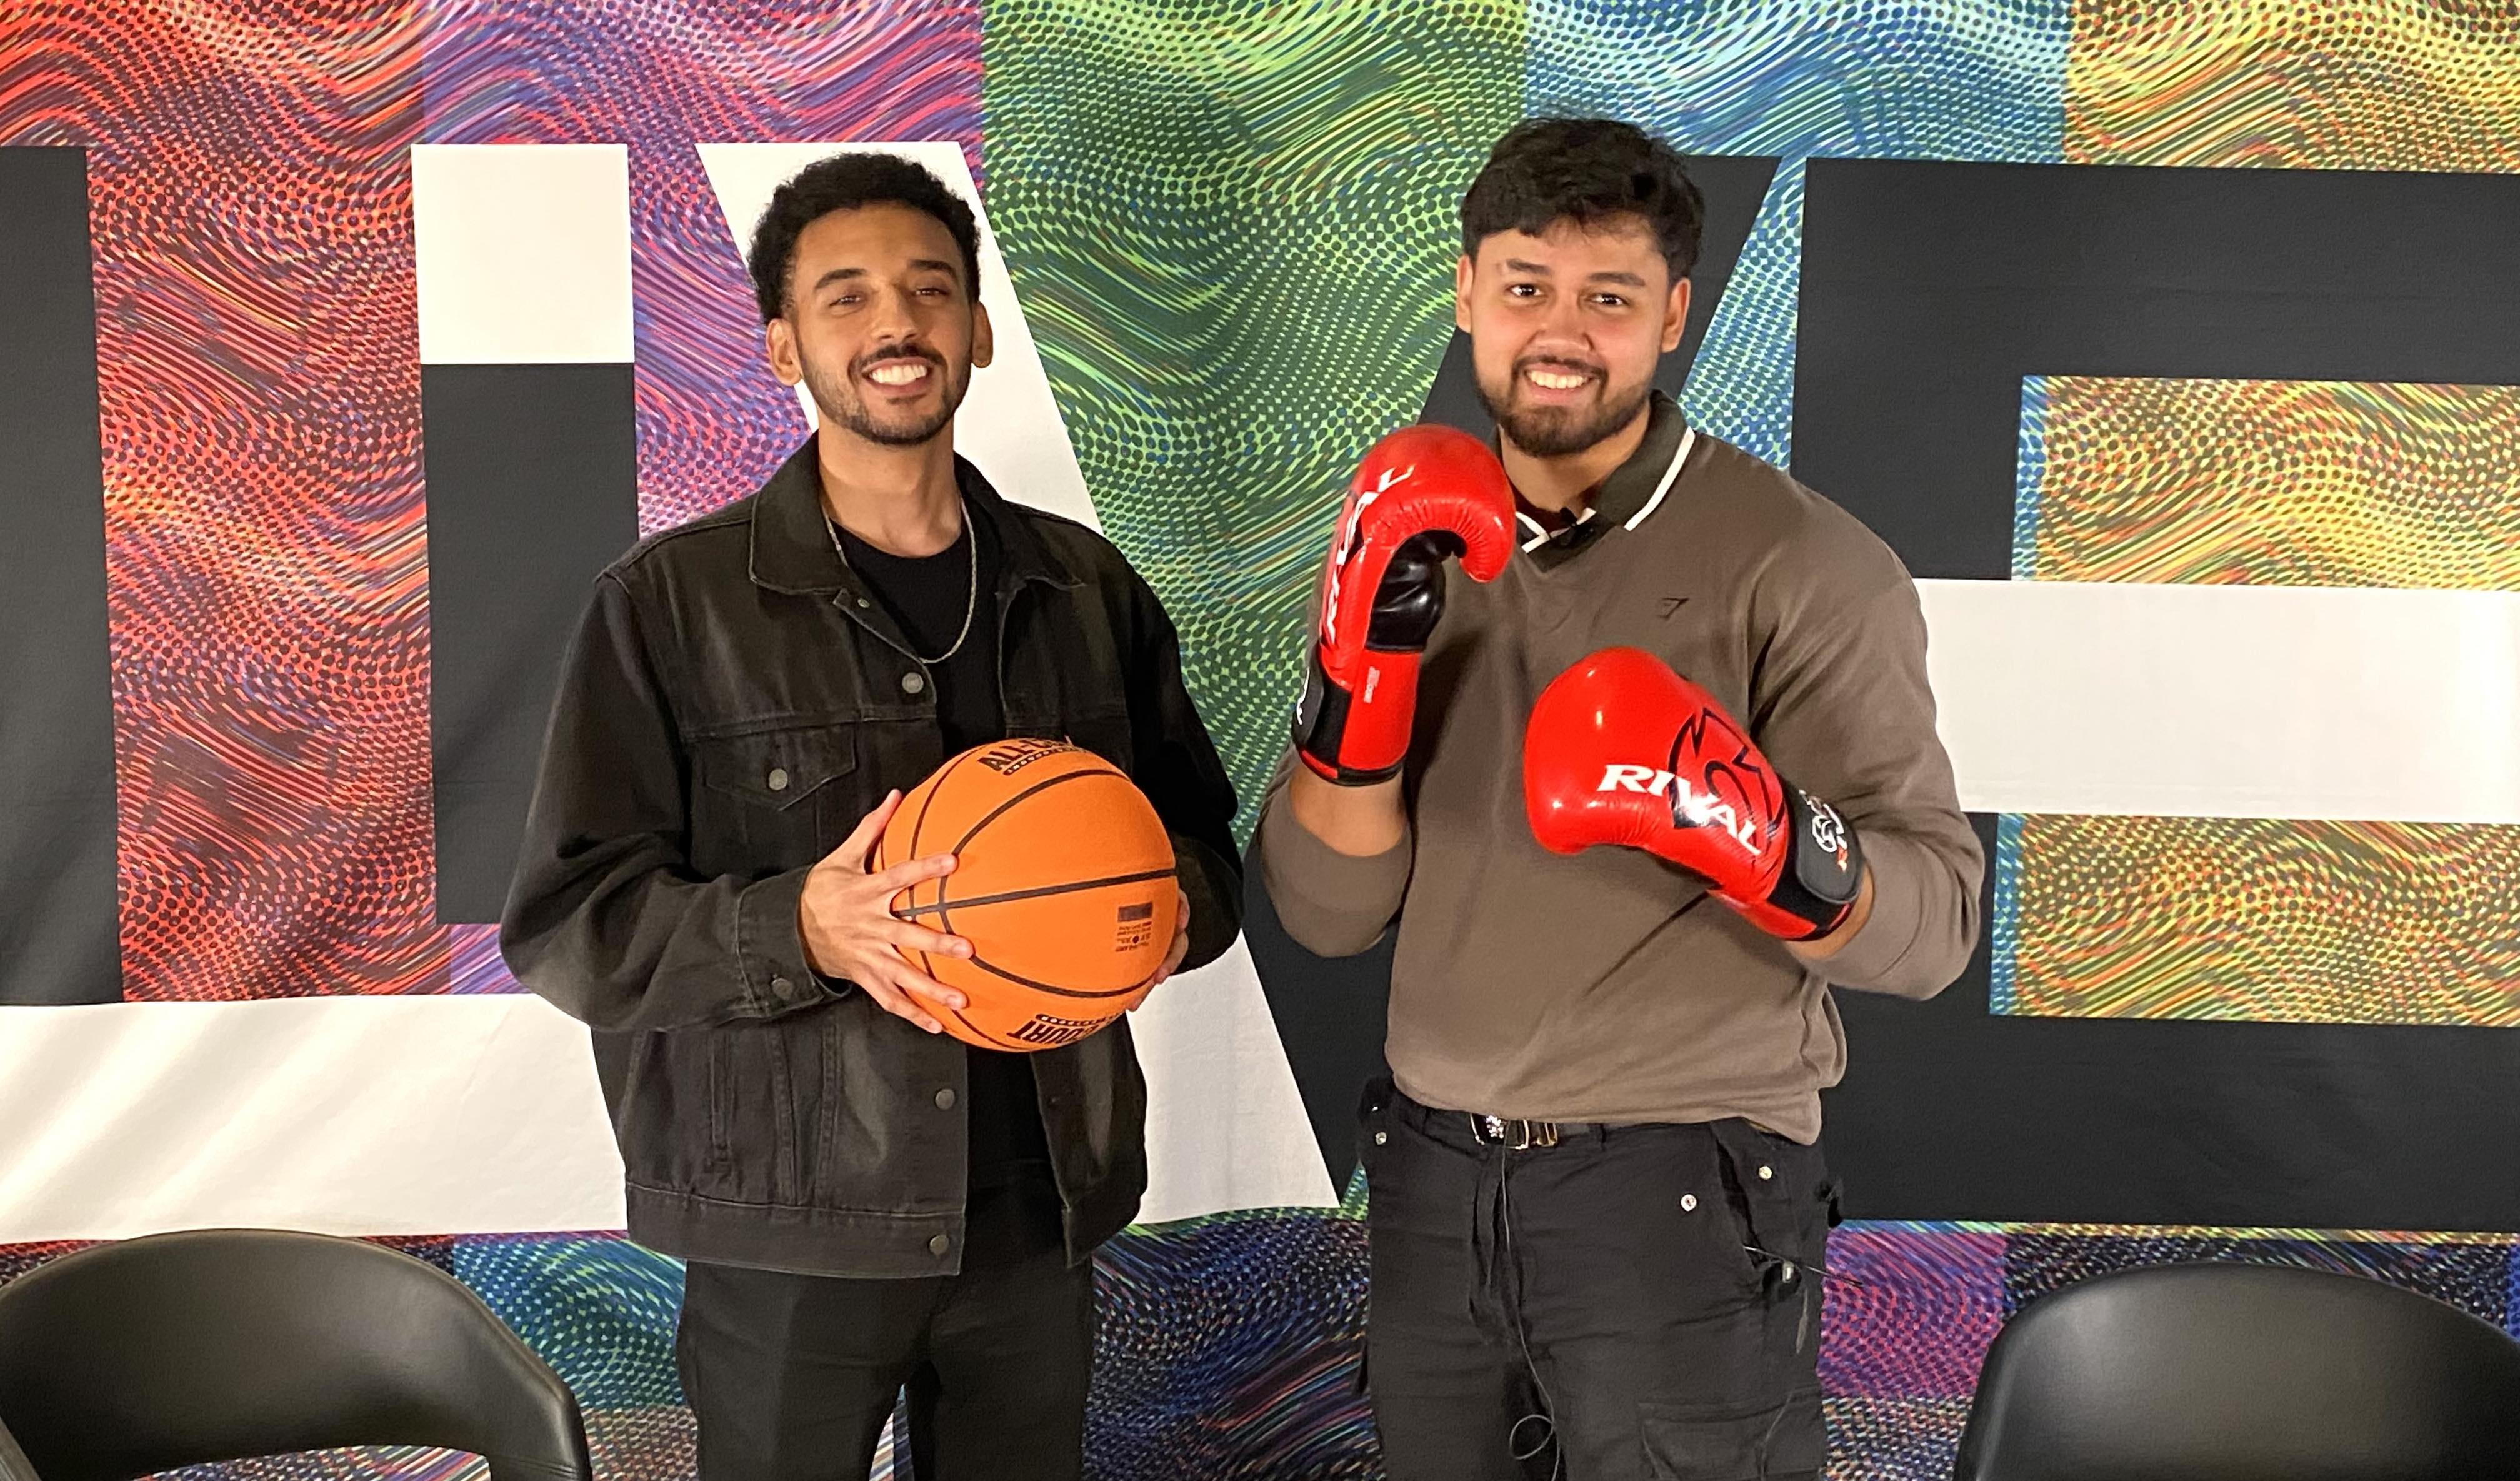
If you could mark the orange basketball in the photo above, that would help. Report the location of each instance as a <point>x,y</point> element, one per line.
<point>1063,888</point>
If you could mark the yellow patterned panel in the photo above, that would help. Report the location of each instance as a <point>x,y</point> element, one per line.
<point>2321,85</point>
<point>2265,919</point>
<point>2271,482</point>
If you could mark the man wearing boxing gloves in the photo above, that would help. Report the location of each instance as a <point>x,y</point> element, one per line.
<point>1598,1204</point>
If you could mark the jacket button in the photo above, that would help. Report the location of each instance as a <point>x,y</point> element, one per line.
<point>863,602</point>
<point>1766,1174</point>
<point>945,1099</point>
<point>913,683</point>
<point>1689,1203</point>
<point>777,779</point>
<point>782,986</point>
<point>938,1245</point>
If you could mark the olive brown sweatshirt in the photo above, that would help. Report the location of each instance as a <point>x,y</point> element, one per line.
<point>1608,986</point>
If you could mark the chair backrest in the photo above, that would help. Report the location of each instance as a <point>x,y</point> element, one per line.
<point>14,1465</point>
<point>2240,1372</point>
<point>174,1350</point>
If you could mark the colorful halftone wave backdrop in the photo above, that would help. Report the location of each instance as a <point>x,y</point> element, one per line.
<point>2304,84</point>
<point>2263,483</point>
<point>2269,483</point>
<point>258,364</point>
<point>1232,226</point>
<point>1917,79</point>
<point>2267,919</point>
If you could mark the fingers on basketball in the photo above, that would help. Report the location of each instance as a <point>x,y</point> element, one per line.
<point>1063,886</point>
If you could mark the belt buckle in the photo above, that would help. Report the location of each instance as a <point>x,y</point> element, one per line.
<point>1526,1133</point>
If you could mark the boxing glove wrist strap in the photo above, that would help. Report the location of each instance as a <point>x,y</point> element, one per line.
<point>1353,740</point>
<point>1823,872</point>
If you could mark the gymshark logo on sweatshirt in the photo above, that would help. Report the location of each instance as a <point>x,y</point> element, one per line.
<point>1699,809</point>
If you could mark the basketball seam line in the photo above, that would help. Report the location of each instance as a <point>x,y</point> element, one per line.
<point>995,1039</point>
<point>1037,788</point>
<point>977,901</point>
<point>919,825</point>
<point>1019,980</point>
<point>944,907</point>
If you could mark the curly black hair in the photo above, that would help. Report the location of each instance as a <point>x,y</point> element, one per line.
<point>845,182</point>
<point>1589,171</point>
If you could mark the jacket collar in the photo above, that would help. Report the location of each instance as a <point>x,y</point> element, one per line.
<point>1631,492</point>
<point>791,546</point>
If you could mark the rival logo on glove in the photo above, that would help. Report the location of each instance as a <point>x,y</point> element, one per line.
<point>1788,862</point>
<point>1701,809</point>
<point>1346,546</point>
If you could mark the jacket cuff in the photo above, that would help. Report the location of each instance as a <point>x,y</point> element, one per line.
<point>1333,904</point>
<point>1874,959</point>
<point>770,947</point>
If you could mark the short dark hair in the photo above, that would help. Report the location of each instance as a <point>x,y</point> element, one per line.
<point>1589,171</point>
<point>845,182</point>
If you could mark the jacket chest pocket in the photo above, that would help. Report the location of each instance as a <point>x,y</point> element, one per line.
<point>773,799</point>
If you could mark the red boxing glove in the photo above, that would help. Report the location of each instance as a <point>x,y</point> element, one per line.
<point>1423,494</point>
<point>1620,749</point>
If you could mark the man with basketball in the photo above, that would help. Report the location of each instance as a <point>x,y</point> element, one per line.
<point>1596,1201</point>
<point>864,1203</point>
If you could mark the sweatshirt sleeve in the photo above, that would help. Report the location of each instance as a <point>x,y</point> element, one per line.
<point>1843,708</point>
<point>1333,904</point>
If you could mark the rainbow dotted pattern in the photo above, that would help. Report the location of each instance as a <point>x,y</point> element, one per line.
<point>2264,483</point>
<point>2269,483</point>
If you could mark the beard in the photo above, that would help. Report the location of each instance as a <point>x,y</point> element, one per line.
<point>836,396</point>
<point>1555,431</point>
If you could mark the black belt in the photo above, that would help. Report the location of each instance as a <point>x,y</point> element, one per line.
<point>1520,1135</point>
<point>1514,1134</point>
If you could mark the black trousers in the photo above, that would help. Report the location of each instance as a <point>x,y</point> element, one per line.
<point>791,1378</point>
<point>1635,1303</point>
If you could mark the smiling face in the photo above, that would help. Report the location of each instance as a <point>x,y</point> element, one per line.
<point>879,324</point>
<point>1566,329</point>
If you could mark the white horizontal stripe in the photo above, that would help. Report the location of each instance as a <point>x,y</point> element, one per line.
<point>523,253</point>
<point>437,1116</point>
<point>348,1115</point>
<point>2230,702</point>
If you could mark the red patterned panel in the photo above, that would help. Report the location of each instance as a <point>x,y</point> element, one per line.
<point>258,363</point>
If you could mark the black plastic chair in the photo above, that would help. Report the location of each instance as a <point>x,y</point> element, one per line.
<point>2243,1373</point>
<point>218,1344</point>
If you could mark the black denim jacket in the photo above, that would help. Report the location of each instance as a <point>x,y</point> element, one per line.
<point>733,704</point>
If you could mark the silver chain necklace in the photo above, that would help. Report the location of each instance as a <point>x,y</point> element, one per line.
<point>970,603</point>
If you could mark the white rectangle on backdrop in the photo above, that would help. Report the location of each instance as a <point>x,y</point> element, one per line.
<point>454,1115</point>
<point>523,253</point>
<point>2230,702</point>
<point>354,1115</point>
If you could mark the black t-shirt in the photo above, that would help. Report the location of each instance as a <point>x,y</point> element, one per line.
<point>929,596</point>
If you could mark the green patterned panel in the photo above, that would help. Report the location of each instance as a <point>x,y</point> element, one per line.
<point>1232,227</point>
